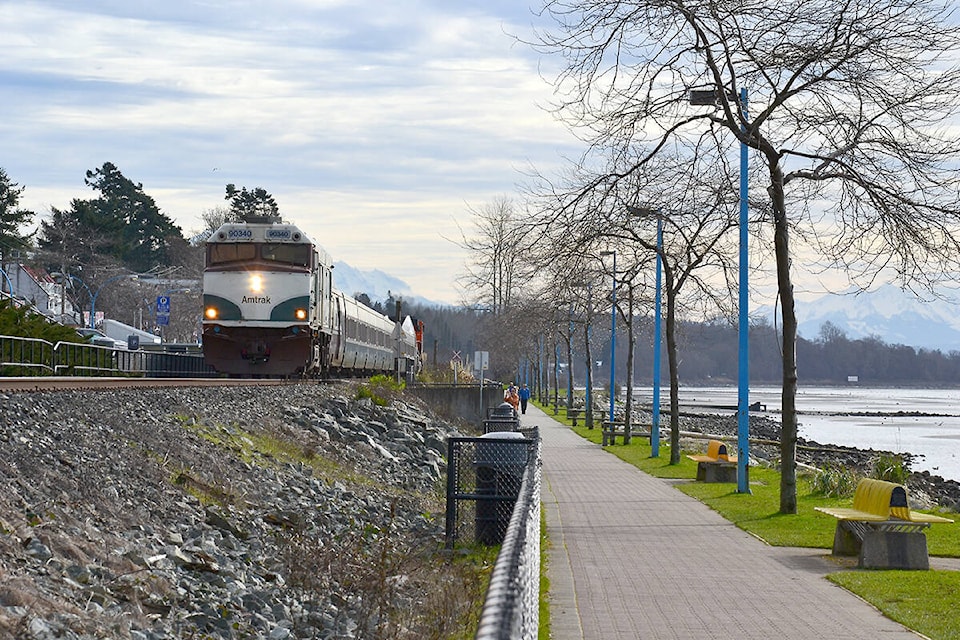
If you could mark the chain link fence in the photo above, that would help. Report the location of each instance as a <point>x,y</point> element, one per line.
<point>493,497</point>
<point>483,482</point>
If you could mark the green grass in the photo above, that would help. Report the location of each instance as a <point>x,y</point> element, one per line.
<point>925,601</point>
<point>921,600</point>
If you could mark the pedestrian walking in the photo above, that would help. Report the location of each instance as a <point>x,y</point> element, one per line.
<point>524,397</point>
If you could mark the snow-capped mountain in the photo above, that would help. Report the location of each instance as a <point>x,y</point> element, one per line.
<point>889,313</point>
<point>376,284</point>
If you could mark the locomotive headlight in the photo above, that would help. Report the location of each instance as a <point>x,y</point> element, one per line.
<point>256,283</point>
<point>300,314</point>
<point>211,313</point>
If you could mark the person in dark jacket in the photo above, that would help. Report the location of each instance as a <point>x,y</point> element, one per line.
<point>524,396</point>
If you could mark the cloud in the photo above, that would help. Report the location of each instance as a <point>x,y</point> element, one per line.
<point>359,118</point>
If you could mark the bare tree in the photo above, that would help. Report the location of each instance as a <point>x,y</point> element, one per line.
<point>496,255</point>
<point>693,196</point>
<point>849,104</point>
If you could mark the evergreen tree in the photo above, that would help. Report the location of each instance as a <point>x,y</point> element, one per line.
<point>142,243</point>
<point>12,218</point>
<point>252,206</point>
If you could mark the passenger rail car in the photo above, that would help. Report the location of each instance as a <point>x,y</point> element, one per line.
<point>270,309</point>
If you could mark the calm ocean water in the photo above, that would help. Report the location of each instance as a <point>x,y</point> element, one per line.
<point>824,417</point>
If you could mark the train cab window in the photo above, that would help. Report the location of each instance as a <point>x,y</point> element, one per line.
<point>295,254</point>
<point>222,253</point>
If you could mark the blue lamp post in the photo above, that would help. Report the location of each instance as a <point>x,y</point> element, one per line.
<point>89,293</point>
<point>613,332</point>
<point>570,360</point>
<point>743,326</point>
<point>657,311</point>
<point>96,294</point>
<point>710,97</point>
<point>6,279</point>
<point>655,419</point>
<point>588,415</point>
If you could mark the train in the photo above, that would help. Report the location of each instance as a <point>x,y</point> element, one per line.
<point>270,309</point>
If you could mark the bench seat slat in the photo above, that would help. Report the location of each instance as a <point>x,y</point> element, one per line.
<point>702,458</point>
<point>916,516</point>
<point>851,514</point>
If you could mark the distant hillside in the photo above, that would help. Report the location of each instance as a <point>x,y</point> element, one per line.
<point>888,313</point>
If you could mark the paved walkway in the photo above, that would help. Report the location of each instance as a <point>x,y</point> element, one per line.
<point>632,557</point>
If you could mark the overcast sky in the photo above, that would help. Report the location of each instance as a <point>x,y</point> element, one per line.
<point>375,125</point>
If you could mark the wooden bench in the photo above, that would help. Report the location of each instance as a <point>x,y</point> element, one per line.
<point>717,465</point>
<point>613,429</point>
<point>881,529</point>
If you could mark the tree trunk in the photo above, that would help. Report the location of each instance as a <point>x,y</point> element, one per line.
<point>788,398</point>
<point>673,364</point>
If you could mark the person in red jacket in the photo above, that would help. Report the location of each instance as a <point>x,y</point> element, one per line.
<point>512,396</point>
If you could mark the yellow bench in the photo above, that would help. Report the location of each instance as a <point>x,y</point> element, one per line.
<point>881,529</point>
<point>717,465</point>
<point>716,452</point>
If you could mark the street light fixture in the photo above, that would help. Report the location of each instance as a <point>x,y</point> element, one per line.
<point>613,331</point>
<point>711,97</point>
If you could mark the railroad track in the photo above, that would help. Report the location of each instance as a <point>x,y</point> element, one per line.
<point>63,383</point>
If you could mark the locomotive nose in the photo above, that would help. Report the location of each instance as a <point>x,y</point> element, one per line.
<point>256,351</point>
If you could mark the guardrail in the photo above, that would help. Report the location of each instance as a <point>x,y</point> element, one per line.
<point>35,357</point>
<point>25,356</point>
<point>511,609</point>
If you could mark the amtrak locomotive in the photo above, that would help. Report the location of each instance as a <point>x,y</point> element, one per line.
<point>270,309</point>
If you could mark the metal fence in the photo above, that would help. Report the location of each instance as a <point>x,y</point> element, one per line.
<point>25,357</point>
<point>34,357</point>
<point>493,497</point>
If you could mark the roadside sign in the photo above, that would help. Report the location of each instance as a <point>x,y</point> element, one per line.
<point>163,305</point>
<point>481,360</point>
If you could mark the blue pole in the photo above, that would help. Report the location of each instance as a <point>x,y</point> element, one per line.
<point>9,283</point>
<point>589,399</point>
<point>743,368</point>
<point>570,361</point>
<point>93,301</point>
<point>556,376</point>
<point>655,421</point>
<point>613,337</point>
<point>540,368</point>
<point>89,293</point>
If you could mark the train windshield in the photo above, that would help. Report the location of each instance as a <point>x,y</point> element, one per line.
<point>295,254</point>
<point>233,252</point>
<point>288,254</point>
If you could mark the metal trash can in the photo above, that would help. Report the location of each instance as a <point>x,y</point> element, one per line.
<point>501,459</point>
<point>503,417</point>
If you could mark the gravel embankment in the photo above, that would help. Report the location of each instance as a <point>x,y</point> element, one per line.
<point>273,512</point>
